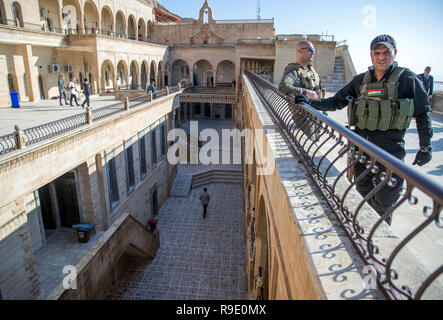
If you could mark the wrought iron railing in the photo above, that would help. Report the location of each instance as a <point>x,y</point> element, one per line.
<point>438,86</point>
<point>328,150</point>
<point>46,131</point>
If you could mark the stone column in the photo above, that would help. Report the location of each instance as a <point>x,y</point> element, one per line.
<point>212,111</point>
<point>31,75</point>
<point>60,15</point>
<point>89,175</point>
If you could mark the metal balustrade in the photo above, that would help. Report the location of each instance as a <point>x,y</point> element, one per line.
<point>46,131</point>
<point>438,86</point>
<point>328,150</point>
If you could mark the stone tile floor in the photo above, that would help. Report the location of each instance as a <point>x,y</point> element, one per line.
<point>60,250</point>
<point>198,259</point>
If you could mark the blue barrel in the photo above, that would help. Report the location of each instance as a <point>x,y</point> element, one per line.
<point>14,100</point>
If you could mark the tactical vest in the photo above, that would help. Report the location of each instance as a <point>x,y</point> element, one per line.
<point>310,79</point>
<point>378,106</point>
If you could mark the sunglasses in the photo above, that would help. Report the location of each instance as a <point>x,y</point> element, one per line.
<point>309,48</point>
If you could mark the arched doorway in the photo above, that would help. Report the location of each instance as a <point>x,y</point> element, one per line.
<point>225,73</point>
<point>107,26</point>
<point>2,13</point>
<point>141,30</point>
<point>152,73</point>
<point>17,14</point>
<point>160,74</point>
<point>133,75</point>
<point>203,74</point>
<point>107,75</point>
<point>73,25</point>
<point>179,72</point>
<point>122,74</point>
<point>131,28</point>
<point>144,75</point>
<point>149,30</point>
<point>91,19</point>
<point>120,25</point>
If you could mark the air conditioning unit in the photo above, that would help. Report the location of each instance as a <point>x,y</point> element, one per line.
<point>69,68</point>
<point>44,12</point>
<point>54,68</point>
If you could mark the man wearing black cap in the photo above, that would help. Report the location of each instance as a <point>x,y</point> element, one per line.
<point>382,102</point>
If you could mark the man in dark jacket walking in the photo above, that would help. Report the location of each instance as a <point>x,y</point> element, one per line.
<point>61,90</point>
<point>204,199</point>
<point>86,91</point>
<point>428,81</point>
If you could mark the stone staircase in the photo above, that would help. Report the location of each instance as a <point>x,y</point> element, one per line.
<point>231,176</point>
<point>337,80</point>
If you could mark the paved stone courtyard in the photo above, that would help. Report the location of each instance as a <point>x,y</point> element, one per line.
<point>198,258</point>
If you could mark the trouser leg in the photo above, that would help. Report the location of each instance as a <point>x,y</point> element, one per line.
<point>385,198</point>
<point>205,206</point>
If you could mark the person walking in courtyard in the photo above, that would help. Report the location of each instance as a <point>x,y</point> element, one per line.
<point>61,90</point>
<point>86,91</point>
<point>204,199</point>
<point>428,81</point>
<point>73,91</point>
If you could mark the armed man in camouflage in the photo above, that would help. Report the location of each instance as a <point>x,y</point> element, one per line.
<point>300,78</point>
<point>381,103</point>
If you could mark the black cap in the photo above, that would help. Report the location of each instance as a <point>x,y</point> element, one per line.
<point>385,40</point>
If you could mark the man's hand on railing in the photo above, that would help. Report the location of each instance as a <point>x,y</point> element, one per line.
<point>423,157</point>
<point>301,98</point>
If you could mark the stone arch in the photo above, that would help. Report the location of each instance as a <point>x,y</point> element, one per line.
<point>17,14</point>
<point>261,248</point>
<point>132,31</point>
<point>107,21</point>
<point>160,74</point>
<point>134,75</point>
<point>78,27</point>
<point>91,17</point>
<point>141,29</point>
<point>225,72</point>
<point>2,13</point>
<point>122,77</point>
<point>202,71</point>
<point>120,24</point>
<point>144,74</point>
<point>107,75</point>
<point>179,72</point>
<point>149,30</point>
<point>166,74</point>
<point>152,72</point>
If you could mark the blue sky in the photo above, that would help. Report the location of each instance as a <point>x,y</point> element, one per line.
<point>416,25</point>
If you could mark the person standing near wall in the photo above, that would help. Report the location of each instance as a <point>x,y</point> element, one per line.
<point>428,81</point>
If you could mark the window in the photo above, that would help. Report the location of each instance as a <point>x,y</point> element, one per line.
<point>112,182</point>
<point>129,155</point>
<point>162,140</point>
<point>142,150</point>
<point>153,147</point>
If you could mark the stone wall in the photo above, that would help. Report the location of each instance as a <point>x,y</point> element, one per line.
<point>343,52</point>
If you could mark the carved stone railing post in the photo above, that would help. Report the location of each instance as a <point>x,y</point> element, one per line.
<point>167,90</point>
<point>19,137</point>
<point>88,115</point>
<point>126,103</point>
